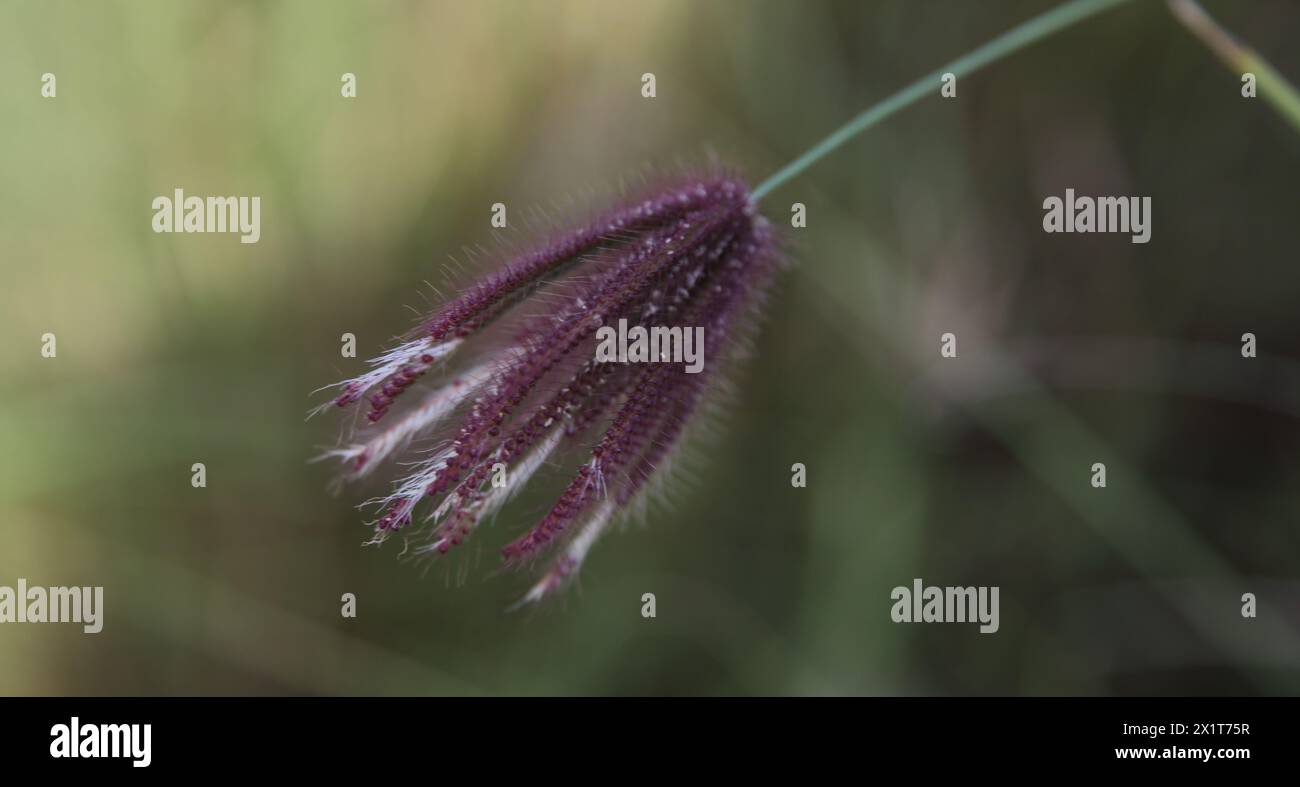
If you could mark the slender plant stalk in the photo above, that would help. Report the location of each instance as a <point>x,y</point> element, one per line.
<point>1240,58</point>
<point>1009,42</point>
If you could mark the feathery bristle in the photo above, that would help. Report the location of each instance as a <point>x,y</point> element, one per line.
<point>694,259</point>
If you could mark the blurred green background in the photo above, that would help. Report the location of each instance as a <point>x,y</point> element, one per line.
<point>175,349</point>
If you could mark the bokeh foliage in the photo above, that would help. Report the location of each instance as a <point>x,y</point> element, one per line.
<point>175,348</point>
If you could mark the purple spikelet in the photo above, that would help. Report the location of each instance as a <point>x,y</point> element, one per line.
<point>695,255</point>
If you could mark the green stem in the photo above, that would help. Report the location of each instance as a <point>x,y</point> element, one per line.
<point>1011,41</point>
<point>1240,58</point>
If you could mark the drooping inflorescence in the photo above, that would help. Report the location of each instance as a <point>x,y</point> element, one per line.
<point>695,258</point>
